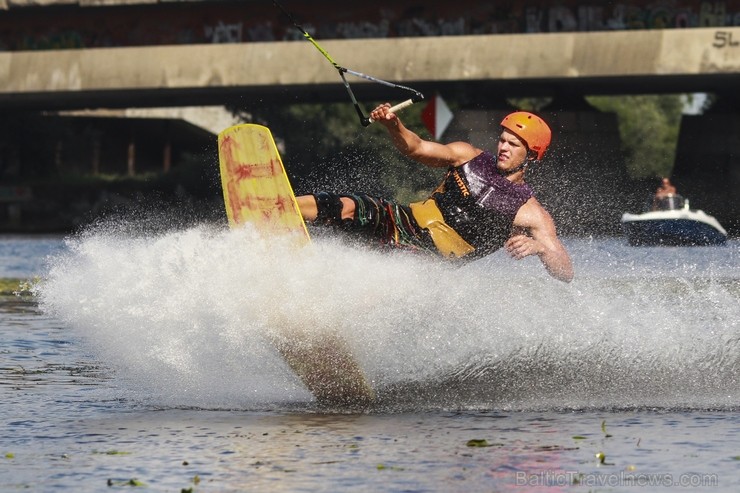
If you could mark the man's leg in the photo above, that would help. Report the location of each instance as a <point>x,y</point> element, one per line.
<point>372,219</point>
<point>326,206</point>
<point>308,207</point>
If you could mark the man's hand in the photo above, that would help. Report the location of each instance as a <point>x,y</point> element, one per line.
<point>383,116</point>
<point>520,246</point>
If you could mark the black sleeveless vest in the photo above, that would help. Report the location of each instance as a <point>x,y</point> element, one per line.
<point>480,204</point>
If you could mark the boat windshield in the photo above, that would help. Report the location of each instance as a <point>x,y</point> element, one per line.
<point>669,202</point>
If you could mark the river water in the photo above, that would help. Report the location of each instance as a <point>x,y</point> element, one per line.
<point>143,360</point>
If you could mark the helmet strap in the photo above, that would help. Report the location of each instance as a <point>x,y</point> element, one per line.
<point>522,166</point>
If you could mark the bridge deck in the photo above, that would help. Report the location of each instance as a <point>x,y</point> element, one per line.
<point>614,62</point>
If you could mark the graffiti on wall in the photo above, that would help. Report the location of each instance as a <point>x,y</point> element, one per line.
<point>55,41</point>
<point>224,33</point>
<point>724,39</point>
<point>235,22</point>
<point>623,16</point>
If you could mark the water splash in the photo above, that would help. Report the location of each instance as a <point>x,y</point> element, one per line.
<point>186,318</point>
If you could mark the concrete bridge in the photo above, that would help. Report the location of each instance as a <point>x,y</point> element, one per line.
<point>486,68</point>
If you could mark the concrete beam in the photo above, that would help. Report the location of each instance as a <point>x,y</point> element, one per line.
<point>620,62</point>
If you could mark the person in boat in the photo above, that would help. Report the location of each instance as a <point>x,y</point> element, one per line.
<point>483,203</point>
<point>665,189</point>
<point>666,198</point>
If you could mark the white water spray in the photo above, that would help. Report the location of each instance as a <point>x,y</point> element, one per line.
<point>184,318</point>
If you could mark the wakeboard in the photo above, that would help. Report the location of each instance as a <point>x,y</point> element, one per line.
<point>257,191</point>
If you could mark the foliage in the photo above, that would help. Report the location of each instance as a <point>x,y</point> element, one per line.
<point>648,128</point>
<point>529,104</point>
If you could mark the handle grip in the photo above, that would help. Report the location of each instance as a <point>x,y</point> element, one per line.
<point>396,108</point>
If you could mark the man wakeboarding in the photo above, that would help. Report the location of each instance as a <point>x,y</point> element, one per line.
<point>482,205</point>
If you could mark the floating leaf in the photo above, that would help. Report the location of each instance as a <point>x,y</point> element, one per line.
<point>130,482</point>
<point>111,452</point>
<point>546,448</point>
<point>602,459</point>
<point>603,429</point>
<point>579,437</point>
<point>478,442</point>
<point>10,455</point>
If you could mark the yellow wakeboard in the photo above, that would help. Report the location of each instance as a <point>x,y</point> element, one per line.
<point>255,186</point>
<point>257,191</point>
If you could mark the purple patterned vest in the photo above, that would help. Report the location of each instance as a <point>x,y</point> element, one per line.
<point>480,204</point>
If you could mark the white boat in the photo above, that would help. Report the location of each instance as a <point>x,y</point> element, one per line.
<point>673,223</point>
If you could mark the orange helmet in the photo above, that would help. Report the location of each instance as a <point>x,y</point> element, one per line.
<point>531,129</point>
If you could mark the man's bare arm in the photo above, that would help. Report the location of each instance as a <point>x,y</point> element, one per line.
<point>543,242</point>
<point>408,143</point>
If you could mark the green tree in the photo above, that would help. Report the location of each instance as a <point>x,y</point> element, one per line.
<point>648,128</point>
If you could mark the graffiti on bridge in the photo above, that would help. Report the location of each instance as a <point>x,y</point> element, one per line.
<point>723,39</point>
<point>235,22</point>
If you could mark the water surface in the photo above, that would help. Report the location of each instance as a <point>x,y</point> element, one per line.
<point>145,359</point>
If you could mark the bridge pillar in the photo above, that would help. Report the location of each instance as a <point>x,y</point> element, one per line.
<point>707,167</point>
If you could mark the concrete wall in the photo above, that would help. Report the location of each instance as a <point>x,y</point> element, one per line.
<point>588,63</point>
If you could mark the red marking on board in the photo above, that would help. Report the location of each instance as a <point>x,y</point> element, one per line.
<point>255,190</point>
<point>243,171</point>
<point>277,167</point>
<point>265,143</point>
<point>226,150</point>
<point>235,207</point>
<point>247,201</point>
<point>283,204</point>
